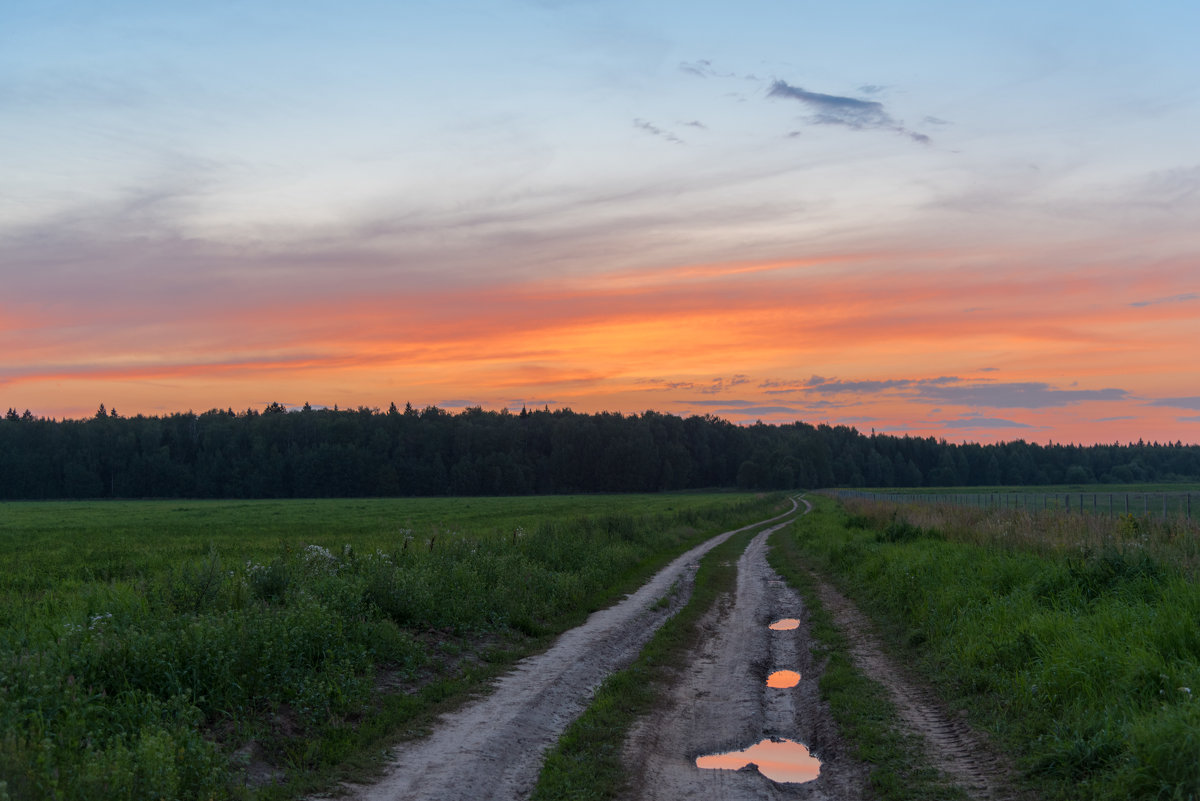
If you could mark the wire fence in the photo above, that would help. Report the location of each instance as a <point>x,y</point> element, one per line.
<point>1111,504</point>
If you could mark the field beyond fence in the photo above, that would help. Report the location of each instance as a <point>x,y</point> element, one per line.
<point>1112,504</point>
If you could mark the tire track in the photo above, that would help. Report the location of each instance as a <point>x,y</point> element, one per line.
<point>720,703</point>
<point>493,748</point>
<point>953,746</point>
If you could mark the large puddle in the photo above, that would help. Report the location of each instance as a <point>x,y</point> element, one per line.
<point>778,760</point>
<point>783,679</point>
<point>786,624</point>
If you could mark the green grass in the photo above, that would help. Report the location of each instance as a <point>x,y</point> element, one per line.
<point>861,706</point>
<point>1181,486</point>
<point>149,650</point>
<point>586,764</point>
<point>1082,659</point>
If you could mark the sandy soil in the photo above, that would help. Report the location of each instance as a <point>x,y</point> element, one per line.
<point>493,748</point>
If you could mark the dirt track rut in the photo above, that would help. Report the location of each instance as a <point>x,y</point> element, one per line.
<point>720,703</point>
<point>493,747</point>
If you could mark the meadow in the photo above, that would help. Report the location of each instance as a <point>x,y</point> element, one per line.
<point>1073,639</point>
<point>255,649</point>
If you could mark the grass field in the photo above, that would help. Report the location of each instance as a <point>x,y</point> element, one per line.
<point>1184,486</point>
<point>1140,500</point>
<point>252,649</point>
<point>1073,639</point>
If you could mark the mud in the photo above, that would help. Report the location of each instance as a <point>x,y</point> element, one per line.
<point>493,748</point>
<point>720,704</point>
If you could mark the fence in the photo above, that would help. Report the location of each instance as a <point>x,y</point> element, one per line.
<point>1143,504</point>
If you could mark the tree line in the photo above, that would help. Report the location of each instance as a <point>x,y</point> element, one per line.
<point>277,453</point>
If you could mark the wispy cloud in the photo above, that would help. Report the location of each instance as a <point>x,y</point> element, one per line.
<point>962,392</point>
<point>835,109</point>
<point>654,130</point>
<point>850,112</point>
<point>1192,402</point>
<point>983,423</point>
<point>1018,395</point>
<point>712,387</point>
<point>1181,298</point>
<point>703,68</point>
<point>732,411</point>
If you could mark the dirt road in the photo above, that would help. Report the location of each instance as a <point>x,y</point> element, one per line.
<point>493,748</point>
<point>721,703</point>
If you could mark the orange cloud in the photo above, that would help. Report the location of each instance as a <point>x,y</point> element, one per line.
<point>638,339</point>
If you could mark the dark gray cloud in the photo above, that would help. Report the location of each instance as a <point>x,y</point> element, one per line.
<point>1192,402</point>
<point>832,386</point>
<point>713,387</point>
<point>1181,298</point>
<point>1189,419</point>
<point>1017,395</point>
<point>718,403</point>
<point>760,410</point>
<point>654,130</point>
<point>965,392</point>
<point>851,112</point>
<point>983,422</point>
<point>835,109</point>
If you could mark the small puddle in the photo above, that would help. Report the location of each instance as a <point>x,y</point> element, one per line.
<point>778,760</point>
<point>786,624</point>
<point>782,679</point>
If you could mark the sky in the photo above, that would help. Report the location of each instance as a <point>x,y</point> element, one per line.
<point>978,222</point>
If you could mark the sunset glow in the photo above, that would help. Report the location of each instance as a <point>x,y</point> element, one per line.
<point>981,228</point>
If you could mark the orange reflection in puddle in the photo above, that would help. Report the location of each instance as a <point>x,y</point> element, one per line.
<point>787,624</point>
<point>778,760</point>
<point>782,679</point>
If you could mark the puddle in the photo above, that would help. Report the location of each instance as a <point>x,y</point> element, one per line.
<point>786,624</point>
<point>778,760</point>
<point>782,679</point>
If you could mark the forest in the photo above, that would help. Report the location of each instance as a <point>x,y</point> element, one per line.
<point>312,453</point>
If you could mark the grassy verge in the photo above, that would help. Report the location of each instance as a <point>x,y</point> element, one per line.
<point>1082,660</point>
<point>585,764</point>
<point>860,706</point>
<point>255,650</point>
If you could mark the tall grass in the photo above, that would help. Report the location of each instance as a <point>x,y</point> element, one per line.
<point>237,667</point>
<point>1077,645</point>
<point>1052,533</point>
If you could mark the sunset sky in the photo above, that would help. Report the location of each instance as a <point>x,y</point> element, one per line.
<point>972,221</point>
